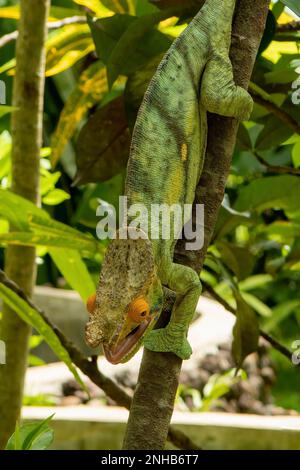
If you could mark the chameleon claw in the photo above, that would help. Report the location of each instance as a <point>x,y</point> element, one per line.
<point>163,340</point>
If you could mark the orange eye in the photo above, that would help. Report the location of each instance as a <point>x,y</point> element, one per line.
<point>91,303</point>
<point>138,310</point>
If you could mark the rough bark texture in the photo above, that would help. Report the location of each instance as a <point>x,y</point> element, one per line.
<point>152,406</point>
<point>27,137</point>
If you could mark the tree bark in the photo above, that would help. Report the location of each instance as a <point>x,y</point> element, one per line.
<point>153,401</point>
<point>27,124</point>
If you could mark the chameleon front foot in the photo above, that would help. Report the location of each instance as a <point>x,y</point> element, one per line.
<point>163,340</point>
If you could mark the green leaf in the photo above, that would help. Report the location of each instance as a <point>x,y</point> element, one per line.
<point>260,307</point>
<point>33,318</point>
<point>37,228</point>
<point>42,237</point>
<point>18,210</point>
<point>91,87</point>
<point>36,432</point>
<point>293,5</point>
<point>238,259</point>
<point>55,197</point>
<point>255,282</point>
<point>102,147</point>
<point>273,134</point>
<point>126,43</point>
<point>67,46</point>
<point>70,264</point>
<point>35,341</point>
<point>31,436</point>
<point>6,110</point>
<point>280,313</point>
<point>95,6</point>
<point>245,330</point>
<point>282,192</point>
<point>243,138</point>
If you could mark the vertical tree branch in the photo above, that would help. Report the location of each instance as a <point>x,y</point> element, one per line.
<point>153,401</point>
<point>27,123</point>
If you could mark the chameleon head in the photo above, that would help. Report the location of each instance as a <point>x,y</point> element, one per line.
<point>128,300</point>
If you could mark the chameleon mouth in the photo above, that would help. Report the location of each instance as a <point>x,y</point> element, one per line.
<point>116,353</point>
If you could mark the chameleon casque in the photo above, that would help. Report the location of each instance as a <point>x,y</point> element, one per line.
<point>165,164</point>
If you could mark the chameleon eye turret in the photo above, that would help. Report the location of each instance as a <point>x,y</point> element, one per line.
<point>139,310</point>
<point>91,303</point>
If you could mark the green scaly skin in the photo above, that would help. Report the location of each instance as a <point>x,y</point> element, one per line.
<point>168,150</point>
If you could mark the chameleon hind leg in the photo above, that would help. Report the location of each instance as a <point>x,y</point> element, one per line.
<point>219,93</point>
<point>173,338</point>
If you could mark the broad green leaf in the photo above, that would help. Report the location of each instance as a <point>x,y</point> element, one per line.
<point>238,259</point>
<point>109,191</point>
<point>280,313</point>
<point>273,134</point>
<point>42,237</point>
<point>126,43</point>
<point>243,141</point>
<point>70,264</point>
<point>34,319</point>
<point>18,210</point>
<point>31,436</point>
<point>293,5</point>
<point>128,55</point>
<point>102,147</point>
<point>245,331</point>
<point>92,85</point>
<point>281,192</point>
<point>255,282</point>
<point>37,227</point>
<point>260,307</point>
<point>56,196</point>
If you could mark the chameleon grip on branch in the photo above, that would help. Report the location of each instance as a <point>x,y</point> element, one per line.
<point>165,164</point>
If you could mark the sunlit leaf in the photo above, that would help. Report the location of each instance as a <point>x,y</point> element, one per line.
<point>74,270</point>
<point>91,87</point>
<point>281,192</point>
<point>293,5</point>
<point>56,196</point>
<point>6,110</point>
<point>245,331</point>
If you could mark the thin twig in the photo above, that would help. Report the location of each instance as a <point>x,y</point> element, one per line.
<point>284,170</point>
<point>7,38</point>
<point>274,342</point>
<point>262,98</point>
<point>288,27</point>
<point>89,367</point>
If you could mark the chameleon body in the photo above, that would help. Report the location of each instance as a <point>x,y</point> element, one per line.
<point>165,164</point>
